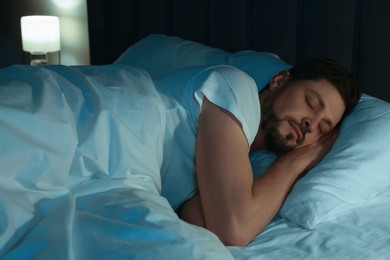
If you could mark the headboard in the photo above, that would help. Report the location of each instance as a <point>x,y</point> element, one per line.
<point>353,32</point>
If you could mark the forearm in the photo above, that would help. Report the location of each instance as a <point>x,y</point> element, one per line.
<point>253,214</point>
<point>270,190</point>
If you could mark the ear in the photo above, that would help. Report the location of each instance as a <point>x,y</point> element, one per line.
<point>279,80</point>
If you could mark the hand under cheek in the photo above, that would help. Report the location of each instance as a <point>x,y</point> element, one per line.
<point>310,139</point>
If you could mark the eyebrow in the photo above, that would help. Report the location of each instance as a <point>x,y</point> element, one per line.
<point>322,105</point>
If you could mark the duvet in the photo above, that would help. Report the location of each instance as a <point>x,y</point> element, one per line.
<point>81,150</point>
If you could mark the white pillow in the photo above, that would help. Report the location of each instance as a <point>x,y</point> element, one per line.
<point>356,169</point>
<point>160,55</point>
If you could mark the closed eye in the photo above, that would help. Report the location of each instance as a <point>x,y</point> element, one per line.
<point>314,100</point>
<point>310,102</point>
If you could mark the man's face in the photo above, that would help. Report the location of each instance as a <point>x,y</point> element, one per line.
<point>300,113</point>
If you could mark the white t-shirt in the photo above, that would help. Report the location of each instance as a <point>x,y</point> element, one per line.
<point>183,92</point>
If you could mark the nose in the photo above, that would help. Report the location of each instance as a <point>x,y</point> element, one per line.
<point>309,124</point>
<point>305,125</point>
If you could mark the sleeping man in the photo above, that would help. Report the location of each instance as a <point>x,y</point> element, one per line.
<point>91,150</point>
<point>300,110</point>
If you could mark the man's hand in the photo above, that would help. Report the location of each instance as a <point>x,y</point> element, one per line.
<point>308,156</point>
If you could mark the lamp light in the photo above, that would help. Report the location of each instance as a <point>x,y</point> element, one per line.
<point>40,35</point>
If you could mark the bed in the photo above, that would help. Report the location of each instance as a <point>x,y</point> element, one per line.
<point>81,152</point>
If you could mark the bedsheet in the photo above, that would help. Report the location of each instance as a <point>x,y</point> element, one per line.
<point>79,179</point>
<point>360,234</point>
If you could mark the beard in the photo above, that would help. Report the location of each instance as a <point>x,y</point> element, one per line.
<point>275,141</point>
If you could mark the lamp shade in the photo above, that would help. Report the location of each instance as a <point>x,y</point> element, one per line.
<point>40,33</point>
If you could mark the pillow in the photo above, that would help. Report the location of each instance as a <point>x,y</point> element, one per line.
<point>261,66</point>
<point>160,54</point>
<point>356,169</point>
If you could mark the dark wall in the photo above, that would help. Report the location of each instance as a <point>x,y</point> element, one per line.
<point>10,42</point>
<point>353,32</point>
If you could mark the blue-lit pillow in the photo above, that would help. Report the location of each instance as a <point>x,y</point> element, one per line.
<point>160,55</point>
<point>356,169</point>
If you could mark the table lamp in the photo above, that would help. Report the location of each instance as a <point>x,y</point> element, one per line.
<point>40,35</point>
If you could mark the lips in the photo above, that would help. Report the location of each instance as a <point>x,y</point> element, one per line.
<point>297,131</point>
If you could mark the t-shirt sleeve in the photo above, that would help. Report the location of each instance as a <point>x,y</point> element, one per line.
<point>230,89</point>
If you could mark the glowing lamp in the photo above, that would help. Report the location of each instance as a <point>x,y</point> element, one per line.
<point>40,35</point>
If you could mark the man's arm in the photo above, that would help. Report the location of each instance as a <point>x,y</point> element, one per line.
<point>233,205</point>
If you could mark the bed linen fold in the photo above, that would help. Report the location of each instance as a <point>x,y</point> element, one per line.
<point>81,152</point>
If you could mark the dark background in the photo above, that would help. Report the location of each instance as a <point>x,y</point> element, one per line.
<point>355,33</point>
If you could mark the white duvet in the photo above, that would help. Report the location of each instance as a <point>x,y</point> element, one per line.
<point>81,150</point>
